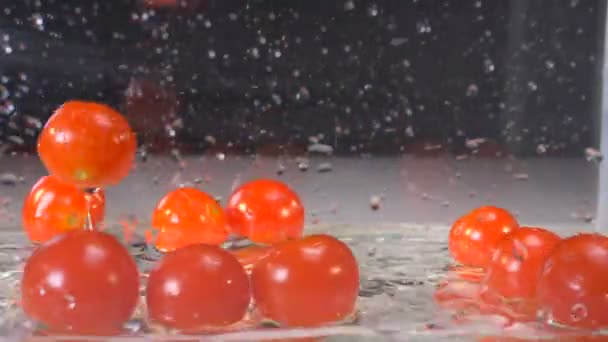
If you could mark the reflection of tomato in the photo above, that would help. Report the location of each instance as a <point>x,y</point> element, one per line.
<point>188,216</point>
<point>97,205</point>
<point>249,256</point>
<point>88,144</point>
<point>265,211</point>
<point>515,268</point>
<point>307,282</point>
<point>573,286</point>
<point>81,282</point>
<point>53,207</point>
<point>474,235</point>
<point>198,286</point>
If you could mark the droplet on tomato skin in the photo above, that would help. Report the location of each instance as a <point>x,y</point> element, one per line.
<point>578,312</point>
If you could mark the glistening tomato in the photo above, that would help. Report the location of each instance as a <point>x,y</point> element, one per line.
<point>198,287</point>
<point>265,211</point>
<point>306,282</point>
<point>574,282</point>
<point>516,266</point>
<point>88,144</point>
<point>474,235</point>
<point>188,216</point>
<point>53,207</point>
<point>81,282</point>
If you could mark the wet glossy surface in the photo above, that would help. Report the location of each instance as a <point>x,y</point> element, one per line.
<point>88,144</point>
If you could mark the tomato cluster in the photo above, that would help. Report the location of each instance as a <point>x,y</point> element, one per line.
<point>81,280</point>
<point>527,273</point>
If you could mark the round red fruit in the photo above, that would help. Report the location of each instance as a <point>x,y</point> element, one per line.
<point>306,282</point>
<point>81,282</point>
<point>87,144</point>
<point>188,216</point>
<point>515,269</point>
<point>53,207</point>
<point>474,235</point>
<point>573,286</point>
<point>198,287</point>
<point>265,211</point>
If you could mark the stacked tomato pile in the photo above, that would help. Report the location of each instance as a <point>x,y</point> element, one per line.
<point>80,280</point>
<point>529,273</point>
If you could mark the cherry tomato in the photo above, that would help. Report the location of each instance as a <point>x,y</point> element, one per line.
<point>574,282</point>
<point>198,286</point>
<point>188,216</point>
<point>516,265</point>
<point>81,282</point>
<point>474,235</point>
<point>97,205</point>
<point>265,211</point>
<point>306,282</point>
<point>87,144</point>
<point>249,256</point>
<point>53,207</point>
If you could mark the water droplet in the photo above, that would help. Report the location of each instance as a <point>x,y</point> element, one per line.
<point>324,167</point>
<point>549,64</point>
<point>520,176</point>
<point>532,86</point>
<point>276,98</point>
<point>578,312</point>
<point>398,41</point>
<point>207,23</point>
<point>233,16</point>
<point>541,149</point>
<point>488,66</point>
<point>320,148</point>
<point>211,54</point>
<point>8,179</point>
<point>593,155</point>
<point>8,49</point>
<point>302,164</point>
<point>220,156</point>
<point>255,52</point>
<point>375,201</point>
<point>324,51</point>
<point>472,90</point>
<point>423,27</point>
<point>349,5</point>
<point>277,54</point>
<point>372,10</point>
<point>37,21</point>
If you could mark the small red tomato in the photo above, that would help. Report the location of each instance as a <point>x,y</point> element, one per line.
<point>573,287</point>
<point>97,205</point>
<point>87,144</point>
<point>307,282</point>
<point>265,211</point>
<point>249,256</point>
<point>198,287</point>
<point>81,282</point>
<point>474,235</point>
<point>513,273</point>
<point>188,216</point>
<point>53,207</point>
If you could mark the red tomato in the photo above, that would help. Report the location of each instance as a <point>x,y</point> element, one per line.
<point>198,286</point>
<point>573,286</point>
<point>265,211</point>
<point>307,282</point>
<point>513,273</point>
<point>53,207</point>
<point>188,216</point>
<point>249,256</point>
<point>87,144</point>
<point>474,235</point>
<point>81,282</point>
<point>97,205</point>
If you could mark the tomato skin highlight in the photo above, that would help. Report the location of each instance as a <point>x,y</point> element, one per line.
<point>81,282</point>
<point>515,269</point>
<point>53,206</point>
<point>306,282</point>
<point>265,211</point>
<point>574,282</point>
<point>474,235</point>
<point>197,287</point>
<point>87,144</point>
<point>188,216</point>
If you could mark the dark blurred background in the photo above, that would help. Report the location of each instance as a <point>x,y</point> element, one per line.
<point>270,76</point>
